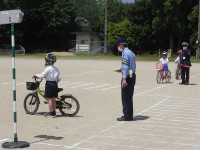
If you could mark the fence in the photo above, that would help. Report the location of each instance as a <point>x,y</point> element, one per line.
<point>84,46</point>
<point>160,51</point>
<point>5,49</point>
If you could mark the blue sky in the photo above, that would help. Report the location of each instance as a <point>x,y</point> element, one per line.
<point>128,1</point>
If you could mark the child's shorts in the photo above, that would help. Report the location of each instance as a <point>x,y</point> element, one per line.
<point>165,68</point>
<point>51,89</point>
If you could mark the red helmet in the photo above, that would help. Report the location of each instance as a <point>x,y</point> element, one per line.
<point>179,52</point>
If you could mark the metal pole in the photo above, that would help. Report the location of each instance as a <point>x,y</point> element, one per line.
<point>16,143</point>
<point>105,34</point>
<point>198,44</point>
<point>14,82</point>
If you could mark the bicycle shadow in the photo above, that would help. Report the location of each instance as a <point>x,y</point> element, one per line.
<point>46,138</point>
<point>166,82</point>
<point>58,115</point>
<point>140,117</point>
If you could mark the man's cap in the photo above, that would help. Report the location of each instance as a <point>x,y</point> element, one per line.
<point>185,44</point>
<point>121,41</point>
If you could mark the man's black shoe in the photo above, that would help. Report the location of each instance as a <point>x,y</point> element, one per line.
<point>124,119</point>
<point>182,83</point>
<point>186,83</point>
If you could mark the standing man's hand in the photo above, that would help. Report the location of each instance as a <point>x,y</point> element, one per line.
<point>118,70</point>
<point>124,83</point>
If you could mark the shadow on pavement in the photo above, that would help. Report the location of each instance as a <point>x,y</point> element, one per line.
<point>60,115</point>
<point>46,137</point>
<point>140,117</point>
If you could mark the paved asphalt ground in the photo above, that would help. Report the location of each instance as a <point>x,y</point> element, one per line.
<point>166,115</point>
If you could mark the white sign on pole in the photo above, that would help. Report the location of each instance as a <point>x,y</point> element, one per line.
<point>11,16</point>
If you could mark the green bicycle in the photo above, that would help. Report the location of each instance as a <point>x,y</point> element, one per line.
<point>67,104</point>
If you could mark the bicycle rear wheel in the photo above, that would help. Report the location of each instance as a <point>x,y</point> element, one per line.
<point>70,106</point>
<point>158,77</point>
<point>31,103</point>
<point>178,74</point>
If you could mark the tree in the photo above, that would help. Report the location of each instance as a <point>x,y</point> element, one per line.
<point>141,20</point>
<point>46,23</point>
<point>170,20</point>
<point>117,30</point>
<point>192,26</point>
<point>88,10</point>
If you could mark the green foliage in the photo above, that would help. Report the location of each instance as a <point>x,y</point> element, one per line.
<point>89,10</point>
<point>193,21</point>
<point>147,24</point>
<point>117,30</point>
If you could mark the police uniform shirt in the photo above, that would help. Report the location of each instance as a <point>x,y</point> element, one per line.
<point>128,62</point>
<point>51,73</point>
<point>185,57</point>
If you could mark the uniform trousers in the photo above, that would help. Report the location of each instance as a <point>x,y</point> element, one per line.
<point>185,71</point>
<point>127,97</point>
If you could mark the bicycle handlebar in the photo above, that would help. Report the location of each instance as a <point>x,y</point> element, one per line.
<point>38,80</point>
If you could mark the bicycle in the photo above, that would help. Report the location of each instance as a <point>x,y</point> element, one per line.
<point>178,72</point>
<point>161,74</point>
<point>67,104</point>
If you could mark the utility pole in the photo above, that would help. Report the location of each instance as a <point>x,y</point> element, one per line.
<point>105,34</point>
<point>198,39</point>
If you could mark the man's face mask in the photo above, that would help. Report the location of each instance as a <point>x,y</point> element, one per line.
<point>119,49</point>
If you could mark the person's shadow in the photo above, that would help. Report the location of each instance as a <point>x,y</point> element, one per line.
<point>188,84</point>
<point>46,137</point>
<point>140,117</point>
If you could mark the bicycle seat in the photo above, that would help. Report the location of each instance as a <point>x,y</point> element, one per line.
<point>60,89</point>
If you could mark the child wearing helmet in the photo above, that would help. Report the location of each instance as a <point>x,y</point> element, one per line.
<point>178,58</point>
<point>165,62</point>
<point>178,61</point>
<point>52,76</point>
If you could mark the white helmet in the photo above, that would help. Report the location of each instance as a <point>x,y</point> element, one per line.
<point>164,53</point>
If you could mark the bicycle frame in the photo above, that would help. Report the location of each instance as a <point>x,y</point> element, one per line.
<point>42,93</point>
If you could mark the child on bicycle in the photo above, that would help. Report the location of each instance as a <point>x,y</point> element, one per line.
<point>178,58</point>
<point>165,62</point>
<point>52,76</point>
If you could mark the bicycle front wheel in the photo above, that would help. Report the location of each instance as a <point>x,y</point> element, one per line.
<point>169,76</point>
<point>31,104</point>
<point>158,77</point>
<point>70,106</point>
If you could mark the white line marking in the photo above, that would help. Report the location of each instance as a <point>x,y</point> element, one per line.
<point>3,140</point>
<point>96,86</point>
<point>155,135</point>
<point>91,137</point>
<point>149,141</point>
<point>151,90</point>
<point>82,85</point>
<point>154,105</point>
<point>113,87</point>
<point>140,147</point>
<point>80,74</point>
<point>71,84</point>
<point>54,145</point>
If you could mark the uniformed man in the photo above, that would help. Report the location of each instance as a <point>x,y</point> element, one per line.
<point>185,63</point>
<point>128,67</point>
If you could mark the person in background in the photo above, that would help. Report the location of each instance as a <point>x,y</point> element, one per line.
<point>165,62</point>
<point>185,63</point>
<point>128,67</point>
<point>178,70</point>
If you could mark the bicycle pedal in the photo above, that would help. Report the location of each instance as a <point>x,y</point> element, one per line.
<point>45,102</point>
